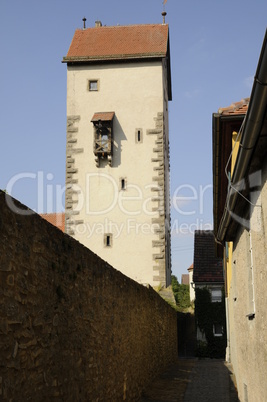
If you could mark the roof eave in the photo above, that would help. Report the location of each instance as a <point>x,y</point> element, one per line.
<point>203,283</point>
<point>251,131</point>
<point>117,57</point>
<point>217,120</point>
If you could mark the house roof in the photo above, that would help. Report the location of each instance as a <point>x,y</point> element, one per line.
<point>191,267</point>
<point>119,42</point>
<point>235,108</point>
<point>207,267</point>
<point>56,219</point>
<point>103,116</point>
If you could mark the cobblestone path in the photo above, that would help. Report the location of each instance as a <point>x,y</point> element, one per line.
<point>192,380</point>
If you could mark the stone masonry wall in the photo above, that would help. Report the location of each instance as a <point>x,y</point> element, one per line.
<point>72,328</point>
<point>159,267</point>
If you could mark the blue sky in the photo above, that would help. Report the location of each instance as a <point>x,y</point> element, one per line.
<point>215,48</point>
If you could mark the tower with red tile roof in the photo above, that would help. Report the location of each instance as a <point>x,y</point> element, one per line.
<point>117,169</point>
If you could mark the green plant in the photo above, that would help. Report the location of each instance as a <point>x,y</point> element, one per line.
<point>181,293</point>
<point>207,314</point>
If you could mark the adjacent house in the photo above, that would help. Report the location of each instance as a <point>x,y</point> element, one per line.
<point>191,283</point>
<point>185,279</point>
<point>209,296</point>
<point>117,164</point>
<point>240,227</point>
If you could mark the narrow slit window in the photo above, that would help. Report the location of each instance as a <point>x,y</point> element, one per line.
<point>108,240</point>
<point>138,135</point>
<point>123,183</point>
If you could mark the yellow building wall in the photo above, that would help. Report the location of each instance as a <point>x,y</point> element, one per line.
<point>229,252</point>
<point>235,148</point>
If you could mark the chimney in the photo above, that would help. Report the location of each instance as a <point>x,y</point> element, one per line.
<point>98,24</point>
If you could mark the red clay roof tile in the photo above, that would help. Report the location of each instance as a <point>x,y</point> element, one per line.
<point>235,108</point>
<point>119,42</point>
<point>103,116</point>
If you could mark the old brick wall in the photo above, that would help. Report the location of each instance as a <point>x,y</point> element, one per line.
<point>72,328</point>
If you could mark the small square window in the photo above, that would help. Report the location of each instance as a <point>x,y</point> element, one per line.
<point>93,85</point>
<point>216,295</point>
<point>108,240</point>
<point>217,330</point>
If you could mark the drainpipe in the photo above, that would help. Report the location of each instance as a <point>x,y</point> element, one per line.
<point>251,132</point>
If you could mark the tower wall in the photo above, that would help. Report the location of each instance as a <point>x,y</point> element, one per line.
<point>125,204</point>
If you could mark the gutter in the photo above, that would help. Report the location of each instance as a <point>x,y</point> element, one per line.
<point>251,131</point>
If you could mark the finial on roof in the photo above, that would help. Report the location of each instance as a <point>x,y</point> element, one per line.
<point>84,20</point>
<point>164,12</point>
<point>163,15</point>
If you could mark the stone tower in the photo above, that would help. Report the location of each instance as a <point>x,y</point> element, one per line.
<point>117,168</point>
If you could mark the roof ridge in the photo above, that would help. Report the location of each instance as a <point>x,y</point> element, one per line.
<point>121,26</point>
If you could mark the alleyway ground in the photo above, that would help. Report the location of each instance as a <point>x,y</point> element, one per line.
<point>193,380</point>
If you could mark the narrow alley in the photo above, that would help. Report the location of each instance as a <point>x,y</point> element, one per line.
<point>191,380</point>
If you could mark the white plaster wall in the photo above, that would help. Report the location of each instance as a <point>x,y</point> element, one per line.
<point>134,91</point>
<point>191,288</point>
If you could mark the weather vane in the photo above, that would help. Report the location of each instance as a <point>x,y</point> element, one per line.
<point>164,12</point>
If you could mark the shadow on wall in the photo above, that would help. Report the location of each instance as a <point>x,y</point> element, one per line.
<point>119,136</point>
